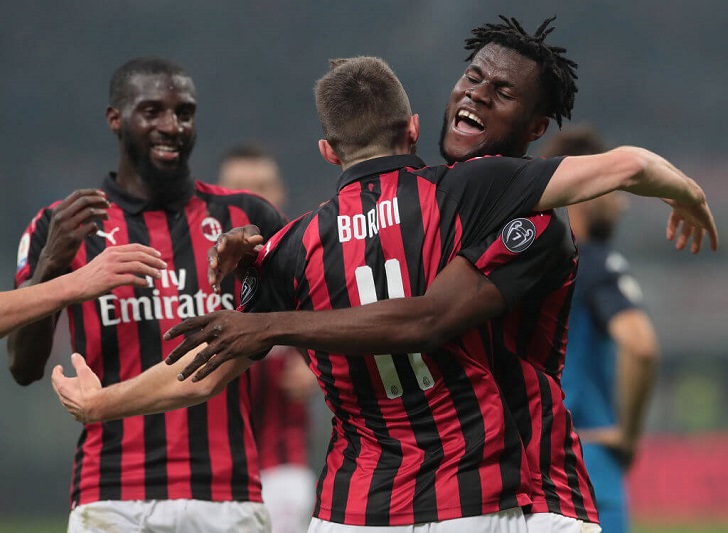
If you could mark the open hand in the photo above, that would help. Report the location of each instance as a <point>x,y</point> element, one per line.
<point>76,394</point>
<point>691,221</point>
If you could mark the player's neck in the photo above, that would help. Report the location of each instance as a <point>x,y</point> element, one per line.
<point>160,192</point>
<point>384,153</point>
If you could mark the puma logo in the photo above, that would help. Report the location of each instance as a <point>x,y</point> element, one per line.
<point>108,236</point>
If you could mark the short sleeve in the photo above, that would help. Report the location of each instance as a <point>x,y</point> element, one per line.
<point>273,280</point>
<point>31,244</point>
<point>615,291</point>
<point>492,190</point>
<point>268,219</point>
<point>523,253</point>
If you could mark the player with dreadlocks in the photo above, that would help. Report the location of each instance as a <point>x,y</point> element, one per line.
<point>523,275</point>
<point>514,85</point>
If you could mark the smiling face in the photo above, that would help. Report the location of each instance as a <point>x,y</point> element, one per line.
<point>494,107</point>
<point>156,127</point>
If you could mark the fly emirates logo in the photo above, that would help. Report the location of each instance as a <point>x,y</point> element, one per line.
<point>115,310</point>
<point>384,214</point>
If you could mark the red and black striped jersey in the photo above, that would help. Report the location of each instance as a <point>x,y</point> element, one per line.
<point>533,262</point>
<point>417,437</point>
<point>206,452</point>
<point>280,424</point>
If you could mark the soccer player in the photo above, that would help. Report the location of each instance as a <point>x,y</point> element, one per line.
<point>281,385</point>
<point>515,83</point>
<point>419,437</point>
<point>196,467</point>
<point>114,267</point>
<point>613,348</point>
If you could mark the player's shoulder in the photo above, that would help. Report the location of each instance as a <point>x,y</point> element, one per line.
<point>599,261</point>
<point>490,162</point>
<point>216,193</point>
<point>605,257</point>
<point>253,204</point>
<point>42,216</point>
<point>480,171</point>
<point>288,241</point>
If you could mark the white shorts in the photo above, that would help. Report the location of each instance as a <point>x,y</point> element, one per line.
<point>508,521</point>
<point>556,523</point>
<point>289,493</point>
<point>169,516</point>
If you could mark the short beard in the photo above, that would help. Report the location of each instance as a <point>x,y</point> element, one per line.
<point>505,147</point>
<point>164,185</point>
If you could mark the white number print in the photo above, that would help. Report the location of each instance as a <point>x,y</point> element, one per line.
<point>385,363</point>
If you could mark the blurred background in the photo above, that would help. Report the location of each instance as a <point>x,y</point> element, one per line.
<point>651,73</point>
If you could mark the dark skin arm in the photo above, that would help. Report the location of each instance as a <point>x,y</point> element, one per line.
<point>71,222</point>
<point>233,252</point>
<point>459,299</point>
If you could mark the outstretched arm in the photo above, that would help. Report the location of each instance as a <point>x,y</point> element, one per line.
<point>120,265</point>
<point>641,172</point>
<point>459,299</point>
<point>153,391</point>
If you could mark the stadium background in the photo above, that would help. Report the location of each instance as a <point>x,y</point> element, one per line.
<point>652,73</point>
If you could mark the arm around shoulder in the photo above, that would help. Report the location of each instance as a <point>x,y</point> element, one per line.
<point>641,172</point>
<point>628,168</point>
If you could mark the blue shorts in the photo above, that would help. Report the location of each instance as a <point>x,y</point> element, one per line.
<point>607,476</point>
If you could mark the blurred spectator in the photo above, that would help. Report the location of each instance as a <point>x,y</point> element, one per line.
<point>249,166</point>
<point>281,384</point>
<point>611,358</point>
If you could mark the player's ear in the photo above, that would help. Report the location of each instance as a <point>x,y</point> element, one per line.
<point>539,125</point>
<point>113,119</point>
<point>413,129</point>
<point>328,153</point>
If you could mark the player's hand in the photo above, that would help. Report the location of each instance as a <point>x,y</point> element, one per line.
<point>235,249</point>
<point>691,221</point>
<point>71,222</point>
<point>228,335</point>
<point>119,265</point>
<point>77,394</point>
<point>614,439</point>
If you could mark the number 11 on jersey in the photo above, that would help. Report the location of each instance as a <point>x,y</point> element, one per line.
<point>385,363</point>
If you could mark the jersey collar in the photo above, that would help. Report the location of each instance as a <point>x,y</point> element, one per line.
<point>376,166</point>
<point>135,205</point>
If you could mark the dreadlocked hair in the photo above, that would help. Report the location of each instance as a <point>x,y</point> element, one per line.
<point>557,73</point>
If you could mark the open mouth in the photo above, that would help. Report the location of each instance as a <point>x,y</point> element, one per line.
<point>467,122</point>
<point>165,152</point>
